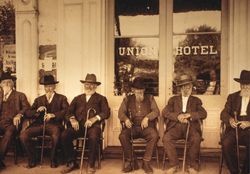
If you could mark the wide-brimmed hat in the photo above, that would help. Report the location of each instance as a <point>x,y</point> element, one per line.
<point>138,83</point>
<point>184,79</point>
<point>48,80</point>
<point>7,76</point>
<point>90,78</point>
<point>244,77</point>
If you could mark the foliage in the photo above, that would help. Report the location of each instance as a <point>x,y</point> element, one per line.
<point>7,19</point>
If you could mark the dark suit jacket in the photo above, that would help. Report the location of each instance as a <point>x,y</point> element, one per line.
<point>79,107</point>
<point>174,108</point>
<point>20,105</point>
<point>232,105</point>
<point>58,106</point>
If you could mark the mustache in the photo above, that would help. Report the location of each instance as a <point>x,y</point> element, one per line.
<point>245,92</point>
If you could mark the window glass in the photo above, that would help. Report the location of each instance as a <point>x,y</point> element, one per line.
<point>197,44</point>
<point>7,37</point>
<point>136,45</point>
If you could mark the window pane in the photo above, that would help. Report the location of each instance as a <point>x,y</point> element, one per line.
<point>198,55</point>
<point>193,14</point>
<point>136,17</point>
<point>136,57</point>
<point>7,37</point>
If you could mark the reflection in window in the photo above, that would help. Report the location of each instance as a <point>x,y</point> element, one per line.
<point>7,37</point>
<point>197,43</point>
<point>136,44</point>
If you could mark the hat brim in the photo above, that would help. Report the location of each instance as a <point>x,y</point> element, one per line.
<point>11,78</point>
<point>184,83</point>
<point>242,81</point>
<point>53,83</point>
<point>84,81</point>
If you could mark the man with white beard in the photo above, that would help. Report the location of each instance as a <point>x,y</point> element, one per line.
<point>91,104</point>
<point>180,111</point>
<point>237,104</point>
<point>139,112</point>
<point>13,105</point>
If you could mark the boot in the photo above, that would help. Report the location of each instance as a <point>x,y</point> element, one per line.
<point>147,168</point>
<point>131,166</point>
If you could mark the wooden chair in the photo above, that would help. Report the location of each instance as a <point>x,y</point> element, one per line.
<point>139,145</point>
<point>78,143</point>
<point>180,144</point>
<point>222,133</point>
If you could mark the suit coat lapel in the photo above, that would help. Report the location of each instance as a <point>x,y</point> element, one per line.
<point>190,98</point>
<point>179,102</point>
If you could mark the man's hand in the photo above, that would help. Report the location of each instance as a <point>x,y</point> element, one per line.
<point>144,123</point>
<point>183,118</point>
<point>128,123</point>
<point>48,116</point>
<point>233,123</point>
<point>244,124</point>
<point>17,119</point>
<point>41,108</point>
<point>90,121</point>
<point>74,123</point>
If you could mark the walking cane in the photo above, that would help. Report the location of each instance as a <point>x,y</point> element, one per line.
<point>132,146</point>
<point>185,148</point>
<point>44,123</point>
<point>237,141</point>
<point>84,138</point>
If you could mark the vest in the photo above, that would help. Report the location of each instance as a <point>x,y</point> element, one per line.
<point>139,110</point>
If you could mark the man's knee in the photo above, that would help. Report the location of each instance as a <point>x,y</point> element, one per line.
<point>123,136</point>
<point>10,131</point>
<point>24,137</point>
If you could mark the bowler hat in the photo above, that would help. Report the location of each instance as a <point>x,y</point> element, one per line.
<point>7,76</point>
<point>90,78</point>
<point>138,83</point>
<point>184,79</point>
<point>244,77</point>
<point>48,80</point>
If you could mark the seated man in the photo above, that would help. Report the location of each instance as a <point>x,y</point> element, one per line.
<point>138,112</point>
<point>13,105</point>
<point>51,108</point>
<point>180,110</point>
<point>237,105</point>
<point>89,104</point>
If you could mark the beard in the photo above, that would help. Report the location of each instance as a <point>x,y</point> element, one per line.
<point>139,98</point>
<point>6,89</point>
<point>245,92</point>
<point>186,92</point>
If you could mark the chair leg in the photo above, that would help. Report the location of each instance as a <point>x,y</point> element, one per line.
<point>157,156</point>
<point>123,160</point>
<point>163,160</point>
<point>221,163</point>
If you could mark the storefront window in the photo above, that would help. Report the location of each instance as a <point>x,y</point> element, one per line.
<point>7,37</point>
<point>197,44</point>
<point>136,45</point>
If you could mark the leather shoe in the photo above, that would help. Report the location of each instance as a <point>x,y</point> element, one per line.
<point>91,170</point>
<point>53,164</point>
<point>31,165</point>
<point>131,166</point>
<point>146,167</point>
<point>70,167</point>
<point>171,170</point>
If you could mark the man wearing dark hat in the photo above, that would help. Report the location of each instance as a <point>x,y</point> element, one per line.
<point>51,108</point>
<point>238,106</point>
<point>139,112</point>
<point>13,105</point>
<point>180,110</point>
<point>96,108</point>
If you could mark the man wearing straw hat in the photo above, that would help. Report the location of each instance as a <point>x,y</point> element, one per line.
<point>236,115</point>
<point>51,108</point>
<point>96,108</point>
<point>13,105</point>
<point>181,111</point>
